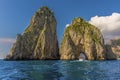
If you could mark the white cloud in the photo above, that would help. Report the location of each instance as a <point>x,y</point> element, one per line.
<point>109,25</point>
<point>5,45</point>
<point>67,25</point>
<point>7,40</point>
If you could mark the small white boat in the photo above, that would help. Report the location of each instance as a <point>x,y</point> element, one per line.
<point>81,59</point>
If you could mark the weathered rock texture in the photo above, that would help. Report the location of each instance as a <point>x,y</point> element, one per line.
<point>80,36</point>
<point>114,46</point>
<point>109,53</point>
<point>39,40</point>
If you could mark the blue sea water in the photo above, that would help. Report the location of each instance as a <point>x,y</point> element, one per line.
<point>59,70</point>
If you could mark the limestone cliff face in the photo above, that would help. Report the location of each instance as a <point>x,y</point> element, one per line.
<point>39,40</point>
<point>114,46</point>
<point>80,36</point>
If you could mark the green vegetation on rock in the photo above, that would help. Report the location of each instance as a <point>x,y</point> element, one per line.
<point>35,42</point>
<point>80,36</point>
<point>39,40</point>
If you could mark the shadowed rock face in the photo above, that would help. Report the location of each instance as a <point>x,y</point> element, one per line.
<point>80,36</point>
<point>39,40</point>
<point>109,53</point>
<point>114,47</point>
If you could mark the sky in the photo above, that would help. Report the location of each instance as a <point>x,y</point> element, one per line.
<point>15,16</point>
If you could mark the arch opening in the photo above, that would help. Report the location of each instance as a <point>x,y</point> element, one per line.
<point>82,56</point>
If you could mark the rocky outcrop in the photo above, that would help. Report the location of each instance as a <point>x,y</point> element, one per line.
<point>80,36</point>
<point>109,53</point>
<point>114,46</point>
<point>39,40</point>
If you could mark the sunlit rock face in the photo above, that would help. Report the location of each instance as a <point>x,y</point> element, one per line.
<point>80,36</point>
<point>39,40</point>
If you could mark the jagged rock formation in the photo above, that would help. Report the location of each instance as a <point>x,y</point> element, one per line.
<point>109,53</point>
<point>80,36</point>
<point>39,40</point>
<point>114,46</point>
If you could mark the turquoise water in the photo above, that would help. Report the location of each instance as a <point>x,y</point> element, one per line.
<point>59,70</point>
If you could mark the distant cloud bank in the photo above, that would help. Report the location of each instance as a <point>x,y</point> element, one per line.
<point>109,25</point>
<point>7,40</point>
<point>5,45</point>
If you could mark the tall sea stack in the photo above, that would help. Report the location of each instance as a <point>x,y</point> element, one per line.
<point>82,37</point>
<point>39,40</point>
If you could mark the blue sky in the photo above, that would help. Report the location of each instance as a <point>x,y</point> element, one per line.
<point>16,14</point>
